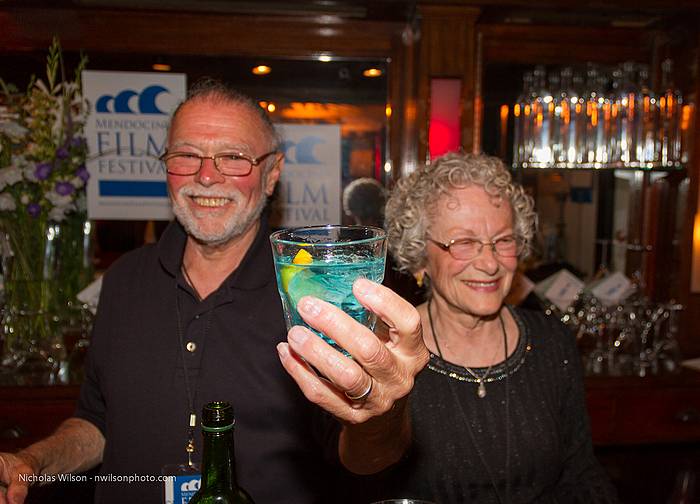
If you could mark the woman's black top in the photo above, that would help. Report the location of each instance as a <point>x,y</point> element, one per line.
<point>527,441</point>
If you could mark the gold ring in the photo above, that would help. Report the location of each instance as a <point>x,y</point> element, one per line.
<point>364,395</point>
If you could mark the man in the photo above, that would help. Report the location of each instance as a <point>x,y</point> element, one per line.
<point>364,200</point>
<point>197,318</point>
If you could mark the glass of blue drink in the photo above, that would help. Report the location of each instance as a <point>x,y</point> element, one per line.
<point>324,261</point>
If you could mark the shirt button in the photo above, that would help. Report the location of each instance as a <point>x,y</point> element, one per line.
<point>191,346</point>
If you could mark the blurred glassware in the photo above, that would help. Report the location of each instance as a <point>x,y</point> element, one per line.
<point>635,337</point>
<point>615,120</point>
<point>76,327</point>
<point>34,351</point>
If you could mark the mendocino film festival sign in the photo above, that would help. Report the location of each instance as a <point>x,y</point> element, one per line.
<point>127,132</point>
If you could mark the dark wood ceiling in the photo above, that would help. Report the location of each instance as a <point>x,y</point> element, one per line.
<point>598,12</point>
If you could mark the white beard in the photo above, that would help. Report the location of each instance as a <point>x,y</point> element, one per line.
<point>234,227</point>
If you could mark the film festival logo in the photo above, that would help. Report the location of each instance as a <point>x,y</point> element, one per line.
<point>125,101</point>
<point>302,152</point>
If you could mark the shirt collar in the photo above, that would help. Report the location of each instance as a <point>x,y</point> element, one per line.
<point>255,270</point>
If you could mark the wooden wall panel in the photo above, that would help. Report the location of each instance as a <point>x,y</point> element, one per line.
<point>531,44</point>
<point>447,49</point>
<point>139,31</point>
<point>690,318</point>
<point>402,99</point>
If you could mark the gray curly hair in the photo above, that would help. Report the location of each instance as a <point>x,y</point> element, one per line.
<point>413,201</point>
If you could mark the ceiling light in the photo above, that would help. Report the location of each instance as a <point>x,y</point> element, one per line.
<point>372,72</point>
<point>261,70</point>
<point>325,58</point>
<point>328,32</point>
<point>161,67</point>
<point>271,107</point>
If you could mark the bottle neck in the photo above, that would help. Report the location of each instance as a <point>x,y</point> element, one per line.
<point>667,75</point>
<point>218,462</point>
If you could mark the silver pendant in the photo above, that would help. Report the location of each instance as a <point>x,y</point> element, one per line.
<point>481,391</point>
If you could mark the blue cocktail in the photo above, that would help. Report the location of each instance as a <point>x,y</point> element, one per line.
<point>324,262</point>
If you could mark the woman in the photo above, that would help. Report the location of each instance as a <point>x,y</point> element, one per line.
<point>499,413</point>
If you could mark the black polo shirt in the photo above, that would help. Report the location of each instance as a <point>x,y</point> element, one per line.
<point>135,387</point>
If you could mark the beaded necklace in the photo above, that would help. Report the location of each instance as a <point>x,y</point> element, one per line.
<point>480,380</point>
<point>481,393</point>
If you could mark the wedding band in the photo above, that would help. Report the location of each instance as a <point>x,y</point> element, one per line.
<point>364,395</point>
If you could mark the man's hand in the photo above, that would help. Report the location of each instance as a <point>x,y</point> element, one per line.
<point>77,445</point>
<point>14,476</point>
<point>385,365</point>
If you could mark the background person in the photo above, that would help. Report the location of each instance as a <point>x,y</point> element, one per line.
<point>364,200</point>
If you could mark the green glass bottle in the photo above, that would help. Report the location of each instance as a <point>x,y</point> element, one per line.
<point>219,483</point>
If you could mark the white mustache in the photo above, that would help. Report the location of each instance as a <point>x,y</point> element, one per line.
<point>197,192</point>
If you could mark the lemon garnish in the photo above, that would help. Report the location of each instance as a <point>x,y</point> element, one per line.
<point>288,272</point>
<point>302,257</point>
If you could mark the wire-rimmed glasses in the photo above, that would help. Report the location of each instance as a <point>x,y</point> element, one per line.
<point>468,248</point>
<point>231,164</point>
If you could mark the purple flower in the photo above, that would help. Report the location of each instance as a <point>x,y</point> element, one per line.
<point>43,170</point>
<point>77,141</point>
<point>83,173</point>
<point>33,209</point>
<point>64,188</point>
<point>62,153</point>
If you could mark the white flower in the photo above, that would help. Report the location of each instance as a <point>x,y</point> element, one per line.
<point>42,87</point>
<point>7,203</point>
<point>18,160</point>
<point>10,175</point>
<point>15,131</point>
<point>57,200</point>
<point>30,173</point>
<point>24,199</point>
<point>57,214</point>
<point>77,182</point>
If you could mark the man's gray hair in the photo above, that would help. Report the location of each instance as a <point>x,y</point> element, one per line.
<point>209,89</point>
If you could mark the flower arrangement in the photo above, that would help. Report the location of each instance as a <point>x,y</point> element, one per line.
<point>43,178</point>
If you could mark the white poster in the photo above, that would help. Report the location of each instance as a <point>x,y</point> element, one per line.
<point>126,132</point>
<point>309,188</point>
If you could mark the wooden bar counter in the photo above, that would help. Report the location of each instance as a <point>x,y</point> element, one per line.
<point>646,431</point>
<point>656,409</point>
<point>624,410</point>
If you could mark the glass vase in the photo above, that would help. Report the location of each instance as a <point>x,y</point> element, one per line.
<point>72,267</point>
<point>44,266</point>
<point>29,300</point>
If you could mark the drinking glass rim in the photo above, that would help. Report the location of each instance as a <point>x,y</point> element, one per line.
<point>380,235</point>
<point>405,500</point>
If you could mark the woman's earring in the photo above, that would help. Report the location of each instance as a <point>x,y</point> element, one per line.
<point>419,278</point>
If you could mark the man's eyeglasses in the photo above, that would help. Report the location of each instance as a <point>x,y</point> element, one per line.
<point>231,164</point>
<point>466,248</point>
